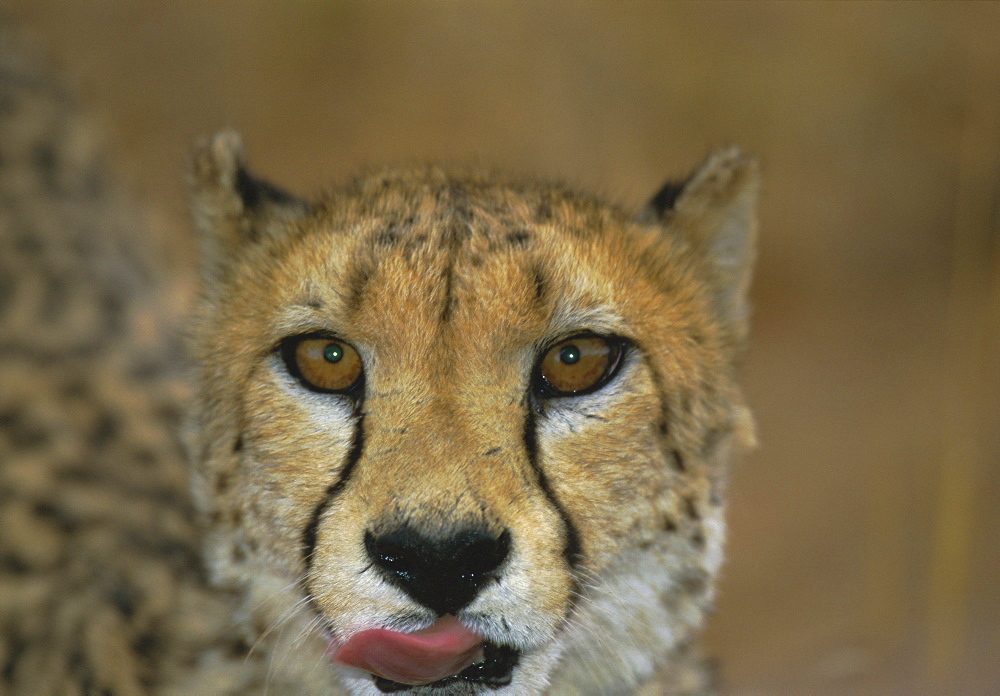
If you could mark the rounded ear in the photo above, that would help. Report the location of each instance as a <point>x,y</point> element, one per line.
<point>230,206</point>
<point>715,212</point>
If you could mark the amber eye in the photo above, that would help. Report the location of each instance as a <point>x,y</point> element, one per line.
<point>322,363</point>
<point>579,365</point>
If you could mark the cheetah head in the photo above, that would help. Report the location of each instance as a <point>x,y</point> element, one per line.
<point>459,434</point>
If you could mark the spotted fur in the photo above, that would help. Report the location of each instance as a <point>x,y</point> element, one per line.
<point>117,578</point>
<point>98,543</point>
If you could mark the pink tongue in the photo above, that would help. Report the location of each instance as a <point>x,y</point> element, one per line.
<point>438,651</point>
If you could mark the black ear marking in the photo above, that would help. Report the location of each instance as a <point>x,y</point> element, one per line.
<point>254,192</point>
<point>714,212</point>
<point>231,207</point>
<point>665,198</point>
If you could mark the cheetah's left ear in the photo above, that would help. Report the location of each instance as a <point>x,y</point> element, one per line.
<point>231,207</point>
<point>715,211</point>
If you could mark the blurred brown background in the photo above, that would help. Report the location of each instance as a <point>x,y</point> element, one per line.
<point>864,548</point>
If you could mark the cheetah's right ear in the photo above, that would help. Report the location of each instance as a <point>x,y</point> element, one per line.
<point>231,207</point>
<point>715,212</point>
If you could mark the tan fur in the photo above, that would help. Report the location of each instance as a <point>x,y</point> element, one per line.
<point>450,285</point>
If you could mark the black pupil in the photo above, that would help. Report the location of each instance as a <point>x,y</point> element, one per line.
<point>569,355</point>
<point>333,353</point>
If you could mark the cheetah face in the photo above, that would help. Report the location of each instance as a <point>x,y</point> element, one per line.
<point>468,437</point>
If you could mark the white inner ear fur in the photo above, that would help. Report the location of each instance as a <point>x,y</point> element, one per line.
<point>717,214</point>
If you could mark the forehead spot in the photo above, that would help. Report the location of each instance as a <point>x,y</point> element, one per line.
<point>518,239</point>
<point>357,282</point>
<point>541,284</point>
<point>448,305</point>
<point>386,238</point>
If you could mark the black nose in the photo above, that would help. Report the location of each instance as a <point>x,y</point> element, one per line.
<point>443,573</point>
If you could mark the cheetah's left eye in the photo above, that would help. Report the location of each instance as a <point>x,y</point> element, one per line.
<point>579,365</point>
<point>323,363</point>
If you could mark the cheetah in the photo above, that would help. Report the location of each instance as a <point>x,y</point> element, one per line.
<point>435,432</point>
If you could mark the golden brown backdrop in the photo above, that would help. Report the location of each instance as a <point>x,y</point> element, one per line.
<point>864,547</point>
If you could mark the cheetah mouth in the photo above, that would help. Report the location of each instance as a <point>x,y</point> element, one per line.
<point>442,654</point>
<point>494,670</point>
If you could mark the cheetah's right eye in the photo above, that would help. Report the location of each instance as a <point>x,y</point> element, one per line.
<point>579,365</point>
<point>323,363</point>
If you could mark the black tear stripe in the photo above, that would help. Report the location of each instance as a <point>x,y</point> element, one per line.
<point>571,551</point>
<point>312,529</point>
